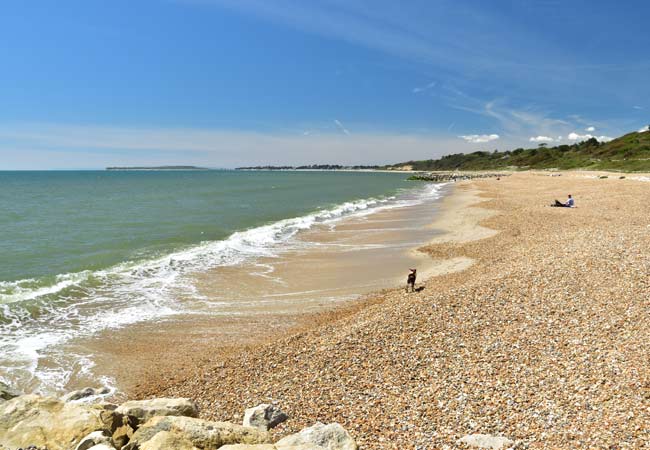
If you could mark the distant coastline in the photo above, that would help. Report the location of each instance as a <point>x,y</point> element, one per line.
<point>159,168</point>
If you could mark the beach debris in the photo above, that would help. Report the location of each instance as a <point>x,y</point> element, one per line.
<point>331,437</point>
<point>486,441</point>
<point>142,410</point>
<point>7,392</point>
<point>85,393</point>
<point>93,439</point>
<point>264,417</point>
<point>443,177</point>
<point>203,434</point>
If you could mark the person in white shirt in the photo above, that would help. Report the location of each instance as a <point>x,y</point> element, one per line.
<point>570,203</point>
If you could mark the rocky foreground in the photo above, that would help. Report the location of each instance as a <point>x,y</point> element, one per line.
<point>31,422</point>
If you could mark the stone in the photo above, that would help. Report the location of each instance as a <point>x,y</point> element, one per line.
<point>249,447</point>
<point>203,434</point>
<point>166,440</point>
<point>264,417</point>
<point>47,422</point>
<point>85,393</point>
<point>102,447</point>
<point>486,441</point>
<point>7,392</point>
<point>143,410</point>
<point>330,437</point>
<point>120,427</point>
<point>93,439</point>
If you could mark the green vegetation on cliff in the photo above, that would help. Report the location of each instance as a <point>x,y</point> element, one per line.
<point>628,153</point>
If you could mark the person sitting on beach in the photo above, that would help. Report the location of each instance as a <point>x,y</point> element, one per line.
<point>410,280</point>
<point>568,204</point>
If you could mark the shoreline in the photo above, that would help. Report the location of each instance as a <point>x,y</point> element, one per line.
<point>327,270</point>
<point>541,339</point>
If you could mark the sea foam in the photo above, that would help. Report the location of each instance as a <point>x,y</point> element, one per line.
<point>38,316</point>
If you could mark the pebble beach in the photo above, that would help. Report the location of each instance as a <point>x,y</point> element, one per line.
<point>540,334</point>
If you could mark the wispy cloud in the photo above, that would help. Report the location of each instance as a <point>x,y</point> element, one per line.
<point>590,129</point>
<point>341,127</point>
<point>637,107</point>
<point>644,129</point>
<point>43,146</point>
<point>431,85</point>
<point>480,138</point>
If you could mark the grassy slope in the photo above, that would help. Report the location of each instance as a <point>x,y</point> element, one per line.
<point>629,153</point>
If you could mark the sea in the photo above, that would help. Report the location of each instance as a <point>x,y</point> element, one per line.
<point>83,252</point>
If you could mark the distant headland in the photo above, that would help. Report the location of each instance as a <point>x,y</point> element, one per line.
<point>159,168</point>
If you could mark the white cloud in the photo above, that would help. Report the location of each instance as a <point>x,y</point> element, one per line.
<point>590,129</point>
<point>341,127</point>
<point>644,129</point>
<point>480,138</point>
<point>583,137</point>
<point>541,139</point>
<point>425,88</point>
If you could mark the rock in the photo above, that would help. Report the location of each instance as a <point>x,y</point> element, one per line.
<point>120,426</point>
<point>46,422</point>
<point>85,393</point>
<point>264,417</point>
<point>7,392</point>
<point>143,410</point>
<point>102,447</point>
<point>167,441</point>
<point>203,434</point>
<point>486,441</point>
<point>93,439</point>
<point>329,437</point>
<point>249,447</point>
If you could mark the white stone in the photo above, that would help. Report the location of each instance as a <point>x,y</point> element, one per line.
<point>329,437</point>
<point>264,417</point>
<point>486,441</point>
<point>93,439</point>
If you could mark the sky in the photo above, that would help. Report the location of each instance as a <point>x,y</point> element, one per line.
<point>224,83</point>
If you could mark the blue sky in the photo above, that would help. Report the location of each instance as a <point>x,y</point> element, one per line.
<point>221,83</point>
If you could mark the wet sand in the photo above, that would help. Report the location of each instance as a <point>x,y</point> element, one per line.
<point>323,270</point>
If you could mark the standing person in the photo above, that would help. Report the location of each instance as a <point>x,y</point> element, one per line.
<point>410,280</point>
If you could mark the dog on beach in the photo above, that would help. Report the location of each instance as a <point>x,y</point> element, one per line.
<point>410,280</point>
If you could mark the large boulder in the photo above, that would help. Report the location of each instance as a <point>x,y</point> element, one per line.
<point>264,417</point>
<point>166,440</point>
<point>328,437</point>
<point>143,410</point>
<point>7,392</point>
<point>46,422</point>
<point>85,393</point>
<point>203,434</point>
<point>486,441</point>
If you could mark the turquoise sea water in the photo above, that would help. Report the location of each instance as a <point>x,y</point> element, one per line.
<point>83,252</point>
